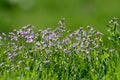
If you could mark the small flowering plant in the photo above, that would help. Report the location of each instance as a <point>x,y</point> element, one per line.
<point>58,54</point>
<point>114,35</point>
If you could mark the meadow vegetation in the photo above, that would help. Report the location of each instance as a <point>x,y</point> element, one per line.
<point>60,54</point>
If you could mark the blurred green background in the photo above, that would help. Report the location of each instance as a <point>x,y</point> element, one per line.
<point>47,13</point>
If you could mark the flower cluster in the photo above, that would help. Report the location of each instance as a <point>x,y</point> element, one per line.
<point>26,48</point>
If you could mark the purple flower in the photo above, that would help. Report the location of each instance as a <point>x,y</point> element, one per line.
<point>38,44</point>
<point>29,40</point>
<point>65,40</point>
<point>22,33</point>
<point>66,51</point>
<point>14,38</point>
<point>78,38</point>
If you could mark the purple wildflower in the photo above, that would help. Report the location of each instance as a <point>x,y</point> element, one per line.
<point>66,51</point>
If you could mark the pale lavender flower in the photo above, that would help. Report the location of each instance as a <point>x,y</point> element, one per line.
<point>71,35</point>
<point>66,51</point>
<point>10,57</point>
<point>74,45</point>
<point>65,40</point>
<point>45,45</point>
<point>14,54</point>
<point>38,44</point>
<point>78,38</point>
<point>96,46</point>
<point>29,40</point>
<point>14,38</point>
<point>98,33</point>
<point>59,45</point>
<point>22,33</point>
<point>51,44</point>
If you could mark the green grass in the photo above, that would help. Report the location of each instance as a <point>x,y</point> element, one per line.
<point>78,13</point>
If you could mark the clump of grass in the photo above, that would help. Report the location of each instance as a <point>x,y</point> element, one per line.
<point>58,54</point>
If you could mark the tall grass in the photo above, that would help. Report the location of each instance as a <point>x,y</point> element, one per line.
<point>59,54</point>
